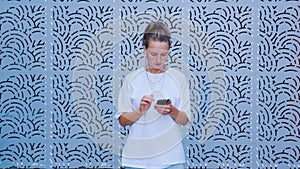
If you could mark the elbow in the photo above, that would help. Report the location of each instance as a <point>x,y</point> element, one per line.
<point>185,122</point>
<point>123,121</point>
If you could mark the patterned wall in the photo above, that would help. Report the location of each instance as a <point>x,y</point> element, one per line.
<point>62,61</point>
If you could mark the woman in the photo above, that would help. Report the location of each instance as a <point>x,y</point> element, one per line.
<point>154,140</point>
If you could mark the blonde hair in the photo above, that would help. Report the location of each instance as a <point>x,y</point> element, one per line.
<point>156,31</point>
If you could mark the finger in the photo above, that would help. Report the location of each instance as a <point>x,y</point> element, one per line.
<point>147,98</point>
<point>145,102</point>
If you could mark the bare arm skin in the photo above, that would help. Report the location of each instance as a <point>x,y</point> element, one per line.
<point>128,118</point>
<point>178,116</point>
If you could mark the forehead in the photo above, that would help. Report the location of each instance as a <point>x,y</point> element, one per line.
<point>158,46</point>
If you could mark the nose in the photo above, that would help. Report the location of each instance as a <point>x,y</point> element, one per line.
<point>158,58</point>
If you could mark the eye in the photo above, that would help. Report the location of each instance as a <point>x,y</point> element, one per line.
<point>164,54</point>
<point>153,54</point>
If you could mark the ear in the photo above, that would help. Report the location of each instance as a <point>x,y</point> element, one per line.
<point>145,48</point>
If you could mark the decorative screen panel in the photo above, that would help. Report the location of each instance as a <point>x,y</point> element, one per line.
<point>62,63</point>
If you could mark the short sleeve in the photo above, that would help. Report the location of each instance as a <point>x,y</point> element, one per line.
<point>185,93</point>
<point>124,104</point>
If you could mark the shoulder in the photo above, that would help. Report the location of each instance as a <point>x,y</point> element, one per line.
<point>173,70</point>
<point>134,74</point>
<point>176,74</point>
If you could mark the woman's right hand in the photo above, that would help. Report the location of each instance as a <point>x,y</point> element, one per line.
<point>146,103</point>
<point>130,118</point>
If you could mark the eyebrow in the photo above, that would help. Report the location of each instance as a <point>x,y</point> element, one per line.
<point>155,52</point>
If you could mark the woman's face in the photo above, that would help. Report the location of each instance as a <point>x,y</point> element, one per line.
<point>157,54</point>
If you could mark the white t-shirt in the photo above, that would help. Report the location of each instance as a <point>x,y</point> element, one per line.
<point>154,140</point>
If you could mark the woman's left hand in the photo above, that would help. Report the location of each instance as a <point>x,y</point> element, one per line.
<point>178,116</point>
<point>164,109</point>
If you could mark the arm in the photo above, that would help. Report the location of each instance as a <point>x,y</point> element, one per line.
<point>128,118</point>
<point>178,116</point>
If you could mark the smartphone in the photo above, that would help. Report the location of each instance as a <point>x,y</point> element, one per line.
<point>163,101</point>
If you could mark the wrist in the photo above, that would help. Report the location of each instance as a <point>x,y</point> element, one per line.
<point>138,111</point>
<point>174,112</point>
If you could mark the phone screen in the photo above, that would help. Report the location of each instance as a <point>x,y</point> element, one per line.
<point>163,101</point>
